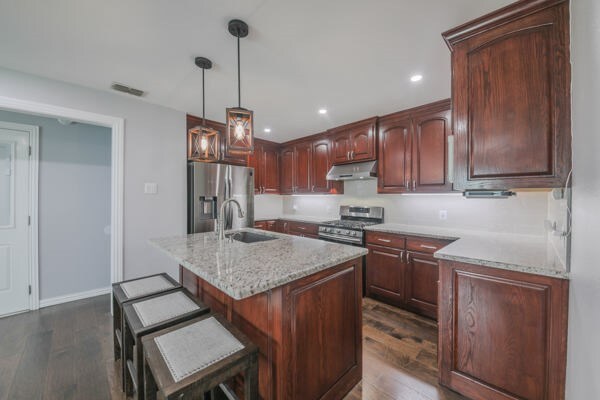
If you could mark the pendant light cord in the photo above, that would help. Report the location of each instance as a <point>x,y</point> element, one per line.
<point>203,99</point>
<point>239,78</point>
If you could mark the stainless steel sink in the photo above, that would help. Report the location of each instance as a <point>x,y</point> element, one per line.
<point>249,237</point>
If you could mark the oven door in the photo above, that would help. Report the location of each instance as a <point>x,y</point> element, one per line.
<point>340,239</point>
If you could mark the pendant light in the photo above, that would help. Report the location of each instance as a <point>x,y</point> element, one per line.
<point>203,141</point>
<point>240,132</point>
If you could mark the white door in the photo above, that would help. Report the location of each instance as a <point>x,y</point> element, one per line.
<point>14,215</point>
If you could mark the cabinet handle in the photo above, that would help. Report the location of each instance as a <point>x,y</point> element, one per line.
<point>424,246</point>
<point>302,227</point>
<point>347,155</point>
<point>414,185</point>
<point>384,240</point>
<point>313,188</point>
<point>407,185</point>
<point>386,254</point>
<point>352,155</point>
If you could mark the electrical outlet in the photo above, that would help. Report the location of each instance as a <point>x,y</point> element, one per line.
<point>443,215</point>
<point>150,188</point>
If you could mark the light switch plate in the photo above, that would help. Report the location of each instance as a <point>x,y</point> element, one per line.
<point>150,188</point>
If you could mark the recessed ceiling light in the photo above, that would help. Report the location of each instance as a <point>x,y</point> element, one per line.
<point>322,111</point>
<point>267,130</point>
<point>416,78</point>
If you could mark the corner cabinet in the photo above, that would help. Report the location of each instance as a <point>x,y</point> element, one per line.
<point>413,150</point>
<point>265,161</point>
<point>511,97</point>
<point>503,334</point>
<point>355,142</point>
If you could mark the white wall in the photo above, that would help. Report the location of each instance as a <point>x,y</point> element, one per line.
<point>583,365</point>
<point>154,152</point>
<point>74,205</point>
<point>524,213</point>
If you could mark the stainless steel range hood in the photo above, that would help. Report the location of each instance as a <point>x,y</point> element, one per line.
<point>353,172</point>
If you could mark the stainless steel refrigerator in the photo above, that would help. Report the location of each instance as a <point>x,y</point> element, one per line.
<point>211,184</point>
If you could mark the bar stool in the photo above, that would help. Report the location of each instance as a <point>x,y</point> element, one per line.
<point>190,359</point>
<point>147,315</point>
<point>133,289</point>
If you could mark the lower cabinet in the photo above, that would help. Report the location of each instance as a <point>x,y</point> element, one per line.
<point>402,271</point>
<point>385,274</point>
<point>267,225</point>
<point>503,334</point>
<point>421,283</point>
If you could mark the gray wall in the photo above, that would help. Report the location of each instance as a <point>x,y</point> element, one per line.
<point>154,152</point>
<point>583,365</point>
<point>74,205</point>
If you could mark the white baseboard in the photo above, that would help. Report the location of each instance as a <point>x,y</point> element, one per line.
<point>75,296</point>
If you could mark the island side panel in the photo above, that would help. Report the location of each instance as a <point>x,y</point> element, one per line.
<point>294,339</point>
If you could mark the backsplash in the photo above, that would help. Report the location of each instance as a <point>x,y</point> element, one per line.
<point>523,214</point>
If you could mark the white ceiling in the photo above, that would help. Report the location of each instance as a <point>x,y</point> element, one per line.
<point>354,57</point>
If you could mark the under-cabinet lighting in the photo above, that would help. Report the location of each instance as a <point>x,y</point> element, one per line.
<point>416,78</point>
<point>322,111</point>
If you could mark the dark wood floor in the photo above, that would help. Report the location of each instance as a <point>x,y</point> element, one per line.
<point>65,352</point>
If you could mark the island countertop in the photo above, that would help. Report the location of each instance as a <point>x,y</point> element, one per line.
<point>242,270</point>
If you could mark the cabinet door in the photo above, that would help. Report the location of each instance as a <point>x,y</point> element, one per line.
<point>303,161</point>
<point>287,170</point>
<point>255,160</point>
<point>421,283</point>
<point>385,274</point>
<point>341,147</point>
<point>362,140</point>
<point>394,166</point>
<point>511,98</point>
<point>270,167</point>
<point>502,333</point>
<point>430,151</point>
<point>271,226</point>
<point>321,156</point>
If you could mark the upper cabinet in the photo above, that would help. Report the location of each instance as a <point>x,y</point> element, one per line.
<point>511,99</point>
<point>413,150</point>
<point>304,166</point>
<point>355,142</point>
<point>225,155</point>
<point>265,161</point>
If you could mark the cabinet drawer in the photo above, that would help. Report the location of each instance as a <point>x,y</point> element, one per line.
<point>385,239</point>
<point>425,245</point>
<point>303,228</point>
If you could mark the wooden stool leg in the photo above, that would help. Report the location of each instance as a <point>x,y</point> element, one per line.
<point>149,387</point>
<point>139,369</point>
<point>116,324</point>
<point>251,380</point>
<point>127,355</point>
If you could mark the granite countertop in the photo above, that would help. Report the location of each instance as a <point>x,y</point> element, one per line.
<point>524,253</point>
<point>299,218</point>
<point>244,269</point>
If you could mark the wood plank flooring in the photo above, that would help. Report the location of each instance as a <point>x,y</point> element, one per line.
<point>65,352</point>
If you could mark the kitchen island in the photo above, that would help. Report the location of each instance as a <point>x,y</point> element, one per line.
<point>298,299</point>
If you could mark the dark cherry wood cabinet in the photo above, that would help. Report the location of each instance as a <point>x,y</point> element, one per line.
<point>401,270</point>
<point>511,97</point>
<point>265,161</point>
<point>385,274</point>
<point>296,162</point>
<point>309,331</point>
<point>413,149</point>
<point>503,334</point>
<point>267,225</point>
<point>355,142</point>
<point>225,156</point>
<point>321,162</point>
<point>303,229</point>
<point>421,283</point>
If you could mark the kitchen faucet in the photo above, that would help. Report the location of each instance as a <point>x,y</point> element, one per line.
<point>221,220</point>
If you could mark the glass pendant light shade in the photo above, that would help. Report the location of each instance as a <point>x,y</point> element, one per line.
<point>203,144</point>
<point>240,130</point>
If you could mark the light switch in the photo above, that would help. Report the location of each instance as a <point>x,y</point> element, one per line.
<point>150,188</point>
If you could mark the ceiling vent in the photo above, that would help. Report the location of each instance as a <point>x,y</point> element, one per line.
<point>119,87</point>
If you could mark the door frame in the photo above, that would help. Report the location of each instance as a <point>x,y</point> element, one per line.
<point>117,126</point>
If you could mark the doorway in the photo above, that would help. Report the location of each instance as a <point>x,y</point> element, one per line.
<point>18,177</point>
<point>117,128</point>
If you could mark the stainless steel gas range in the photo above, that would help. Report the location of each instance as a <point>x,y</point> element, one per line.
<point>349,229</point>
